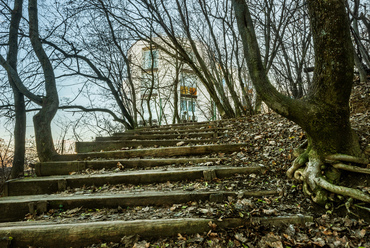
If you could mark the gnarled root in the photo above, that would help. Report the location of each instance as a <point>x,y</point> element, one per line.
<point>318,183</point>
<point>320,197</point>
<point>299,174</point>
<point>300,161</point>
<point>353,193</point>
<point>306,189</point>
<point>347,158</point>
<point>297,163</point>
<point>351,168</point>
<point>316,180</point>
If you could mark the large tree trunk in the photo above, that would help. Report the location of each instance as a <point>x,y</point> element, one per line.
<point>324,113</point>
<point>332,82</point>
<point>20,108</point>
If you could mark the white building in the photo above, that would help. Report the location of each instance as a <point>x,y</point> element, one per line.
<point>159,79</point>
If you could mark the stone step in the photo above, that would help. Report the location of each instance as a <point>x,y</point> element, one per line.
<point>171,131</point>
<point>82,147</point>
<point>14,208</point>
<point>66,167</point>
<point>203,135</point>
<point>154,152</point>
<point>28,234</point>
<point>53,184</point>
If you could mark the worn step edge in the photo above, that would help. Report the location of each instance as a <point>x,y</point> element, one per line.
<point>53,184</point>
<point>82,147</point>
<point>169,127</point>
<point>182,125</point>
<point>154,152</point>
<point>159,136</point>
<point>66,167</point>
<point>214,122</point>
<point>82,234</point>
<point>171,131</point>
<point>14,208</point>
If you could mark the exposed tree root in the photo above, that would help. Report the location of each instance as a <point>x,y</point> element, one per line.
<point>347,158</point>
<point>313,170</point>
<point>351,168</point>
<point>320,197</point>
<point>298,174</point>
<point>300,161</point>
<point>317,183</point>
<point>353,193</point>
<point>306,189</point>
<point>297,163</point>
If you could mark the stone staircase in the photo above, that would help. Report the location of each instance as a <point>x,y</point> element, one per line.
<point>147,156</point>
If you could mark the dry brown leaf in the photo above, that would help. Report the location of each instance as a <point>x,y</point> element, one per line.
<point>212,225</point>
<point>180,237</point>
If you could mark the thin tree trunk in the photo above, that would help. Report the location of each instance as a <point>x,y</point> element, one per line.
<point>42,120</point>
<point>20,108</point>
<point>176,117</point>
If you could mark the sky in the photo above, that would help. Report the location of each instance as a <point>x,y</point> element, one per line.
<point>68,89</point>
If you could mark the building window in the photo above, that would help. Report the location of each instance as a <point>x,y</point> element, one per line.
<point>183,105</point>
<point>150,59</point>
<point>188,85</point>
<point>188,109</point>
<point>191,107</point>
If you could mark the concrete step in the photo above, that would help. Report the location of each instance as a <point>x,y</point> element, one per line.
<point>203,135</point>
<point>154,152</point>
<point>14,208</point>
<point>53,184</point>
<point>172,131</point>
<point>96,146</point>
<point>66,167</point>
<point>203,123</point>
<point>28,234</point>
<point>177,127</point>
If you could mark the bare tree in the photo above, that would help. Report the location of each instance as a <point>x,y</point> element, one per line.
<point>324,113</point>
<point>49,102</point>
<point>92,48</point>
<point>361,33</point>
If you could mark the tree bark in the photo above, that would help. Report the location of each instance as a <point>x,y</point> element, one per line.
<point>332,81</point>
<point>42,120</point>
<point>20,108</point>
<point>176,117</point>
